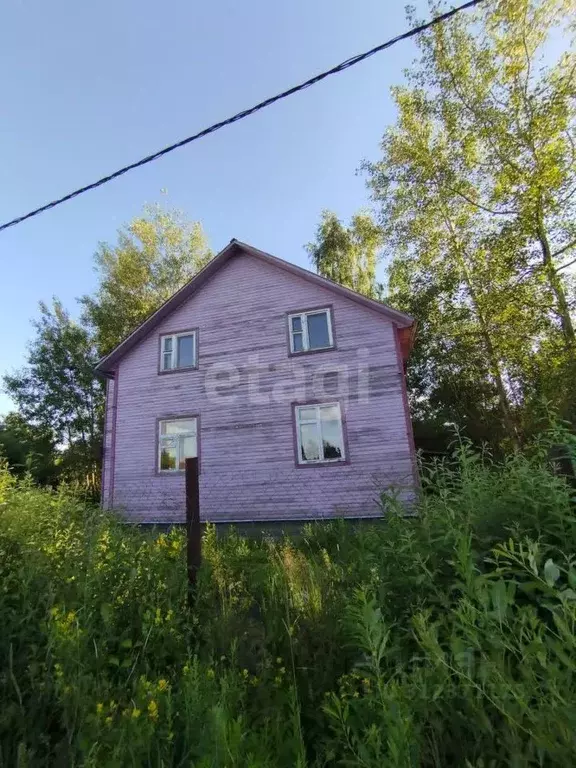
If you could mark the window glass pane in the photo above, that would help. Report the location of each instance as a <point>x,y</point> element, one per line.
<point>310,449</point>
<point>297,323</point>
<point>330,412</point>
<point>188,447</point>
<point>168,456</point>
<point>297,344</point>
<point>307,414</point>
<point>178,427</point>
<point>332,440</point>
<point>185,351</point>
<point>318,330</point>
<point>167,343</point>
<point>187,450</point>
<point>167,361</point>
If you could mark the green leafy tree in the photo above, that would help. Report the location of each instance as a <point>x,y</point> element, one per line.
<point>155,255</point>
<point>476,191</point>
<point>56,391</point>
<point>28,448</point>
<point>348,255</point>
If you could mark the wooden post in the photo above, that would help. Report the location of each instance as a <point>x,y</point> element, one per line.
<point>193,531</point>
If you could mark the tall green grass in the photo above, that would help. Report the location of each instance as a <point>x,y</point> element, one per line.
<point>443,639</point>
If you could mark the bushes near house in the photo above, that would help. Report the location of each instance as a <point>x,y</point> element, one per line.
<point>444,639</point>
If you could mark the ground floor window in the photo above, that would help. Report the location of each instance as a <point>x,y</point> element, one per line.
<point>320,434</point>
<point>177,441</point>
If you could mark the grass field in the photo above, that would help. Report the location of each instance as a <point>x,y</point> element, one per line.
<point>444,640</point>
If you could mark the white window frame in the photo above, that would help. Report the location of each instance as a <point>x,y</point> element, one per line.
<point>318,422</point>
<point>304,324</point>
<point>180,436</point>
<point>174,351</point>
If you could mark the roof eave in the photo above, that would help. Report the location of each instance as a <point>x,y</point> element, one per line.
<point>106,363</point>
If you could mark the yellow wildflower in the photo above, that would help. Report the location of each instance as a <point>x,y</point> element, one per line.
<point>136,713</point>
<point>163,685</point>
<point>153,710</point>
<point>99,708</point>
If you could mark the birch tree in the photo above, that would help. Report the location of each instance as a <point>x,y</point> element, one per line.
<point>476,195</point>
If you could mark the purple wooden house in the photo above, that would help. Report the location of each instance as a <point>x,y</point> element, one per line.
<point>289,388</point>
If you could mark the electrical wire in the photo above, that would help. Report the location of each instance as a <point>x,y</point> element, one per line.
<point>245,113</point>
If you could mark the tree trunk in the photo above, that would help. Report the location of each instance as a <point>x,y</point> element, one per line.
<point>555,281</point>
<point>504,401</point>
<point>493,360</point>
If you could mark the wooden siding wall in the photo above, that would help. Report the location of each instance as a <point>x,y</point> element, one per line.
<point>107,500</point>
<point>248,468</point>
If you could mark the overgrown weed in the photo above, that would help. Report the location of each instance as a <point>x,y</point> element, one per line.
<point>444,638</point>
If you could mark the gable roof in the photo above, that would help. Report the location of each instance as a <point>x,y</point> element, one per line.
<point>236,248</point>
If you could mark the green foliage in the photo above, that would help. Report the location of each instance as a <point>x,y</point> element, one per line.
<point>475,192</point>
<point>348,255</point>
<point>57,388</point>
<point>155,255</point>
<point>59,399</point>
<point>28,448</point>
<point>57,433</point>
<point>443,638</point>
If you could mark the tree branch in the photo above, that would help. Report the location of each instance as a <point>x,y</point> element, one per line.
<point>504,212</point>
<point>566,265</point>
<point>567,197</point>
<point>503,158</point>
<point>564,248</point>
<point>571,142</point>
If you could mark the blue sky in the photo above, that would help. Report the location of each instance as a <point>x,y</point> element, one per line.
<point>88,87</point>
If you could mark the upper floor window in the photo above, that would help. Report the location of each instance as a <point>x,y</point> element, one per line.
<point>320,434</point>
<point>311,330</point>
<point>177,351</point>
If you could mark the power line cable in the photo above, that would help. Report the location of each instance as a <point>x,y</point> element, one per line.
<point>245,112</point>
